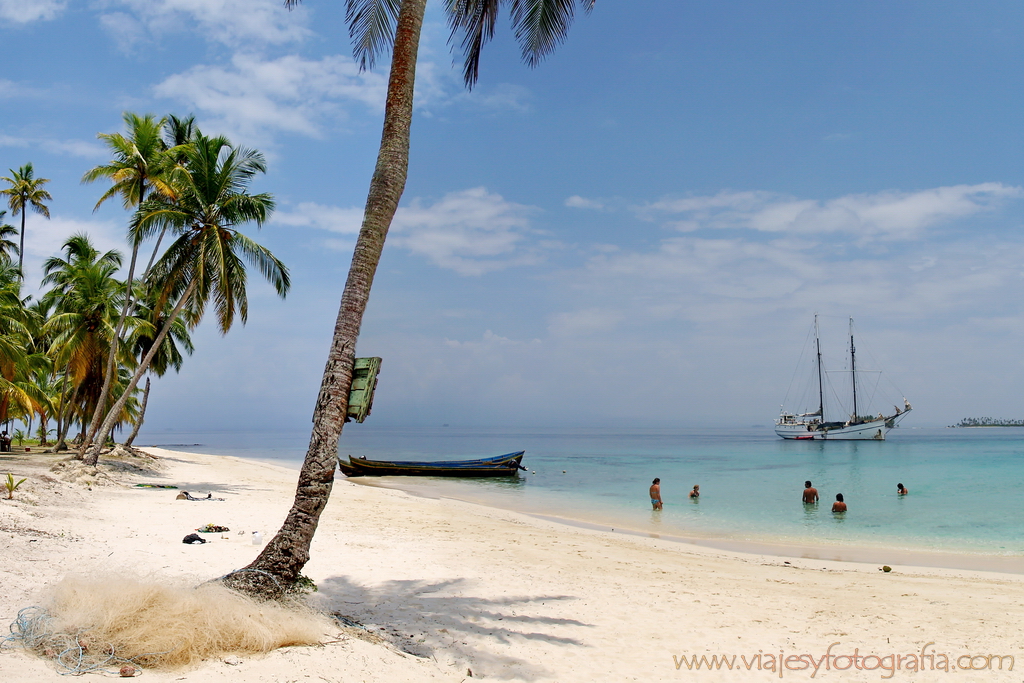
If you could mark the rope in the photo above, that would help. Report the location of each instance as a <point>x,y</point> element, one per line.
<point>33,630</point>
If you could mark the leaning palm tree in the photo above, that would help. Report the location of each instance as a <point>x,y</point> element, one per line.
<point>140,163</point>
<point>206,263</point>
<point>26,192</point>
<point>374,26</point>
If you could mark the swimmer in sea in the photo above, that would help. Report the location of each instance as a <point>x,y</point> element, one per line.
<point>695,493</point>
<point>810,493</point>
<point>901,490</point>
<point>656,493</point>
<point>839,505</point>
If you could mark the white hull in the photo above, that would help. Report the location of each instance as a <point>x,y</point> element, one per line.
<point>867,430</point>
<point>874,430</point>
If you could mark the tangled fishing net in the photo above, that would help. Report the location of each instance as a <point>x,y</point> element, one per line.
<point>90,624</point>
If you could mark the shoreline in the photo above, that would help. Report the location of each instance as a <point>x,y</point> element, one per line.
<point>443,587</point>
<point>922,557</point>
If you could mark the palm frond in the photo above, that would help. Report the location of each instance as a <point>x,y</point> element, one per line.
<point>540,25</point>
<point>371,26</point>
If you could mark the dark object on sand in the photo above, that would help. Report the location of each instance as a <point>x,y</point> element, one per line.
<point>213,529</point>
<point>886,568</point>
<point>127,671</point>
<point>193,539</point>
<point>507,465</point>
<point>155,486</point>
<point>185,495</point>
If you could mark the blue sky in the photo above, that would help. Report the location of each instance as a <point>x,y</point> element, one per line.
<point>638,232</point>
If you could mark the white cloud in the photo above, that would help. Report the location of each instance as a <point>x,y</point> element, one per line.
<point>584,322</point>
<point>253,96</point>
<point>890,215</point>
<point>471,232</point>
<point>235,23</point>
<point>77,148</point>
<point>44,238</point>
<point>25,11</point>
<point>578,202</point>
<point>330,218</point>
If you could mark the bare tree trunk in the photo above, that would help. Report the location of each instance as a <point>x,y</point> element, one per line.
<point>278,566</point>
<point>115,410</point>
<point>142,416</point>
<point>21,249</point>
<point>64,418</point>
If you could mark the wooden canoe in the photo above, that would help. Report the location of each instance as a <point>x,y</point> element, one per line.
<point>507,465</point>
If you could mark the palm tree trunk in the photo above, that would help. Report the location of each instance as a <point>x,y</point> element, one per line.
<point>142,416</point>
<point>21,249</point>
<point>115,410</point>
<point>156,249</point>
<point>278,566</point>
<point>64,413</point>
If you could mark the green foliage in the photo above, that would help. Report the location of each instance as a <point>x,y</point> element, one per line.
<point>303,586</point>
<point>12,486</point>
<point>988,422</point>
<point>19,436</point>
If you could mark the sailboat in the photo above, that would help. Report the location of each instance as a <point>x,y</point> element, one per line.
<point>816,425</point>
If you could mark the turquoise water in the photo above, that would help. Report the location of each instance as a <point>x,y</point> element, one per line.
<point>966,485</point>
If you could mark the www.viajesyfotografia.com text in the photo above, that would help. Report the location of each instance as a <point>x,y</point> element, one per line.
<point>888,665</point>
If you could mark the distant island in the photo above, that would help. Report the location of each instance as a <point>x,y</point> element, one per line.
<point>988,422</point>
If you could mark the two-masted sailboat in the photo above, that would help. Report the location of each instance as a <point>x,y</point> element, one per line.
<point>816,425</point>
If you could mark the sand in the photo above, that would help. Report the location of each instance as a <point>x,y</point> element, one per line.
<point>443,588</point>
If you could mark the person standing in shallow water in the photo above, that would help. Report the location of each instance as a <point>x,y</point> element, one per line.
<point>840,504</point>
<point>810,493</point>
<point>695,493</point>
<point>901,490</point>
<point>656,493</point>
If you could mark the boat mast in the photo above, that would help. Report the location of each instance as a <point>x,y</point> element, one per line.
<point>821,389</point>
<point>853,371</point>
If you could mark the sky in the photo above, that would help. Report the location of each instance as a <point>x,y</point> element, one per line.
<point>636,233</point>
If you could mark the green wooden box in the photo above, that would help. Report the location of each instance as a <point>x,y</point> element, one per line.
<point>364,383</point>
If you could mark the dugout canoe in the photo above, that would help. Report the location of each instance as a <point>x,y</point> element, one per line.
<point>507,465</point>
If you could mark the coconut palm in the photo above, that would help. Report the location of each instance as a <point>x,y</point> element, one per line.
<point>26,192</point>
<point>7,246</point>
<point>375,26</point>
<point>15,338</point>
<point>86,300</point>
<point>206,263</point>
<point>139,164</point>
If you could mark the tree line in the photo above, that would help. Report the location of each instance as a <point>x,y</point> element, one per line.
<point>74,355</point>
<point>988,422</point>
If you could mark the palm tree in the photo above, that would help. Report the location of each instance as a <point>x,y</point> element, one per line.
<point>375,25</point>
<point>15,339</point>
<point>86,299</point>
<point>206,263</point>
<point>140,163</point>
<point>26,192</point>
<point>7,246</point>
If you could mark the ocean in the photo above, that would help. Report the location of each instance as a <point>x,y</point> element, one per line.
<point>966,485</point>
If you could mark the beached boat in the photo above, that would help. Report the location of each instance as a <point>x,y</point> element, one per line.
<point>816,425</point>
<point>507,465</point>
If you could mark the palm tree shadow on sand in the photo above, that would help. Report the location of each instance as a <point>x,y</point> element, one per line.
<point>437,619</point>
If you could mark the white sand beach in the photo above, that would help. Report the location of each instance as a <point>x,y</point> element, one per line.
<point>451,591</point>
